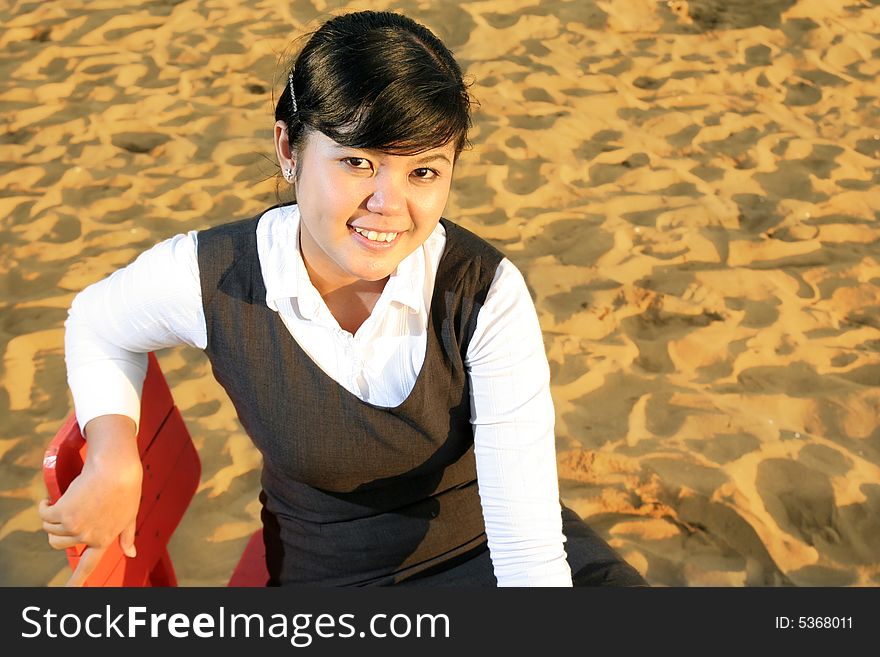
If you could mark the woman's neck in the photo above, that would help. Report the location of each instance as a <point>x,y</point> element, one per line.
<point>350,300</point>
<point>351,305</point>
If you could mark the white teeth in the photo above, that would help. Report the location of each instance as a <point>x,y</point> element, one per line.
<point>373,236</point>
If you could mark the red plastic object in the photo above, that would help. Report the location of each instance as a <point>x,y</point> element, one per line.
<point>251,568</point>
<point>171,476</point>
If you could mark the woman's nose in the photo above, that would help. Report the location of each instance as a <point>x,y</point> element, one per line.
<point>388,196</point>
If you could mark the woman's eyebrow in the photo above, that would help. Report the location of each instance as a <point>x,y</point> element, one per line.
<point>342,148</point>
<point>375,151</point>
<point>431,158</point>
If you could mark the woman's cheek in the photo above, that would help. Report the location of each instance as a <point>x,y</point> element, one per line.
<point>435,201</point>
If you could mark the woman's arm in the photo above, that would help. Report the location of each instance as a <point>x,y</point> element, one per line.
<point>513,418</point>
<point>153,303</point>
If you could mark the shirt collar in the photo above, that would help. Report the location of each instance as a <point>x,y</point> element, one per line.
<point>285,274</point>
<point>406,284</point>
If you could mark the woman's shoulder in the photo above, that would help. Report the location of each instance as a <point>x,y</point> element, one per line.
<point>266,221</point>
<point>230,254</point>
<point>460,240</point>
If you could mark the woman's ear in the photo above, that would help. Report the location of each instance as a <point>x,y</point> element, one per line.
<point>283,151</point>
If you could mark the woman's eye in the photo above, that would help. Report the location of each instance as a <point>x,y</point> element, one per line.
<point>424,173</point>
<point>358,162</point>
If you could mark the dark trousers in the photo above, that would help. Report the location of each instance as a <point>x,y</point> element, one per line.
<point>592,561</point>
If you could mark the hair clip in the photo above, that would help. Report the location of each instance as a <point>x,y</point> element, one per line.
<point>292,95</point>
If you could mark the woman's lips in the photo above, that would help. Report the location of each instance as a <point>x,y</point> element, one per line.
<point>374,243</point>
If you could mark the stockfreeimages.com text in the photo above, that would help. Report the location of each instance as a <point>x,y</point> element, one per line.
<point>300,629</point>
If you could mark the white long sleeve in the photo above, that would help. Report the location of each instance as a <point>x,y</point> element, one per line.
<point>155,303</point>
<point>514,439</point>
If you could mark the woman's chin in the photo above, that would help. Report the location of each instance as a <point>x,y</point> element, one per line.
<point>374,275</point>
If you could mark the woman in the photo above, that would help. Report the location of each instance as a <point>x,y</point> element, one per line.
<point>387,363</point>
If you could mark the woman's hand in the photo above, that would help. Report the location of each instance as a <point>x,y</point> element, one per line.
<point>101,504</point>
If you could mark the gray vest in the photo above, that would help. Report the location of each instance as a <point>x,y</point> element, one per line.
<point>353,493</point>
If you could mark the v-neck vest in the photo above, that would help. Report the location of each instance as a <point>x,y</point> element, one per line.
<point>353,493</point>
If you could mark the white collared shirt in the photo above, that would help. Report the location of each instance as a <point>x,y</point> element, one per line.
<point>156,303</point>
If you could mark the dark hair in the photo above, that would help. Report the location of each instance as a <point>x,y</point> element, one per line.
<point>377,80</point>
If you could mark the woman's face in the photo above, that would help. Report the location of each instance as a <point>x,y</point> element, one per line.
<point>363,211</point>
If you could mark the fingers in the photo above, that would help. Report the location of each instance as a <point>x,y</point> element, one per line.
<point>63,542</point>
<point>54,526</point>
<point>126,540</point>
<point>89,560</point>
<point>60,537</point>
<point>57,529</point>
<point>48,512</point>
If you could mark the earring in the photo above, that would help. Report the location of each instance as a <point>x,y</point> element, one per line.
<point>288,175</point>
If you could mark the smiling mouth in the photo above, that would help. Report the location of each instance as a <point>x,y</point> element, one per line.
<point>375,236</point>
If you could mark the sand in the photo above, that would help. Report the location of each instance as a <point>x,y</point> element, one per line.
<point>690,188</point>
